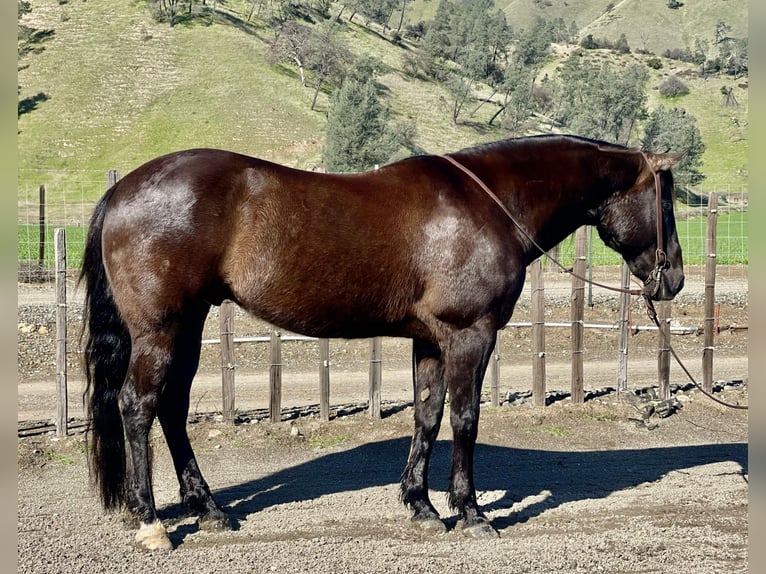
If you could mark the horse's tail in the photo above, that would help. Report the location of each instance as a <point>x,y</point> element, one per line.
<point>106,356</point>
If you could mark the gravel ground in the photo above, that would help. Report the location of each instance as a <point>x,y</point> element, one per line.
<point>570,489</point>
<point>599,487</point>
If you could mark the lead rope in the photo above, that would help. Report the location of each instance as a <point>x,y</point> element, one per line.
<point>653,316</point>
<point>661,261</point>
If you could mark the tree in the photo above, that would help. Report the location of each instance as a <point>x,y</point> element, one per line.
<point>404,4</point>
<point>327,57</point>
<point>600,102</point>
<point>532,47</point>
<point>25,7</point>
<point>518,102</point>
<point>733,56</point>
<point>622,45</point>
<point>673,130</point>
<point>379,11</point>
<point>673,87</point>
<point>464,45</point>
<point>359,135</point>
<point>292,44</point>
<point>318,50</point>
<point>438,40</point>
<point>529,50</point>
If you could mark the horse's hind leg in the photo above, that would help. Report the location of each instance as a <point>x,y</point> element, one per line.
<point>138,398</point>
<point>430,389</point>
<point>173,410</point>
<point>163,361</point>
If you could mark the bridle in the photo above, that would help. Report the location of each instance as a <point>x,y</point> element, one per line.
<point>661,263</point>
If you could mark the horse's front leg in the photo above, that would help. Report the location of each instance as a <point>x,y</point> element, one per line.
<point>430,389</point>
<point>469,354</point>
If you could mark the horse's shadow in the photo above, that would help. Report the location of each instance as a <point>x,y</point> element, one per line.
<point>520,473</point>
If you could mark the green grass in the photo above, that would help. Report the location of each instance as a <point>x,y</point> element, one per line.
<point>59,458</point>
<point>328,441</point>
<point>731,240</point>
<point>600,416</point>
<point>29,245</point>
<point>724,130</point>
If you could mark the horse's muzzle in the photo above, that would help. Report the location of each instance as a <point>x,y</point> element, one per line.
<point>663,284</point>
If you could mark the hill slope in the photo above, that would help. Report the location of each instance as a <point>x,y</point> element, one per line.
<point>119,88</point>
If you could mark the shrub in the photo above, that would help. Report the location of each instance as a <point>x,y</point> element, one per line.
<point>673,87</point>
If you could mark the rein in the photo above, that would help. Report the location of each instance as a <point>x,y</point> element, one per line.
<point>661,263</point>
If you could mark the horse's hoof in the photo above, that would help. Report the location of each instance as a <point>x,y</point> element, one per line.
<point>153,537</point>
<point>433,525</point>
<point>215,523</point>
<point>480,531</point>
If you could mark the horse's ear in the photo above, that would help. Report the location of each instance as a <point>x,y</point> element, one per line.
<point>664,161</point>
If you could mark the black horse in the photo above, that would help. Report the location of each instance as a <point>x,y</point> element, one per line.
<point>416,249</point>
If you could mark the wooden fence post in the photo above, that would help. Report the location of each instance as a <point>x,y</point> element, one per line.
<point>622,353</point>
<point>41,252</point>
<point>275,378</point>
<point>710,308</point>
<point>376,351</point>
<point>494,375</point>
<point>62,411</point>
<point>324,380</point>
<point>577,314</point>
<point>538,333</point>
<point>227,359</point>
<point>112,177</point>
<point>663,353</point>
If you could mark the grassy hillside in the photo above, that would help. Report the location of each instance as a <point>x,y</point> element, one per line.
<point>120,88</point>
<point>723,129</point>
<point>651,25</point>
<point>647,24</point>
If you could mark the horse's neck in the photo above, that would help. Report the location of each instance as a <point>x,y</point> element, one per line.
<point>553,200</point>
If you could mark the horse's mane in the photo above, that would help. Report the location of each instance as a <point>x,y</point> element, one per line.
<point>526,140</point>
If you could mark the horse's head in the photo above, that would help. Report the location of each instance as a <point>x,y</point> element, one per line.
<point>629,223</point>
